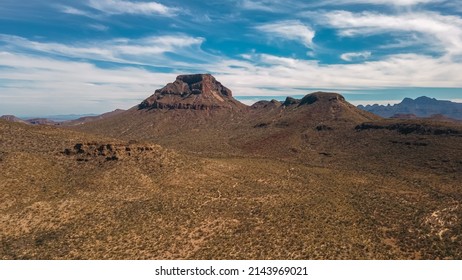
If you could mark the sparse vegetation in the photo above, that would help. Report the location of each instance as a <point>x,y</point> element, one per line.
<point>316,188</point>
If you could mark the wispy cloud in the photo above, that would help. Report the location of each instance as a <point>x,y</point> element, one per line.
<point>130,7</point>
<point>74,11</point>
<point>445,29</point>
<point>377,2</point>
<point>454,6</point>
<point>272,6</point>
<point>258,5</point>
<point>146,50</point>
<point>75,84</point>
<point>293,30</point>
<point>355,56</point>
<point>67,86</point>
<point>275,74</point>
<point>98,27</point>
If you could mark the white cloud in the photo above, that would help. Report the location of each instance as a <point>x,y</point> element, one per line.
<point>98,27</point>
<point>274,74</point>
<point>290,30</point>
<point>410,40</point>
<point>258,5</point>
<point>33,72</point>
<point>355,56</point>
<point>380,2</point>
<point>129,7</point>
<point>444,29</point>
<point>69,86</point>
<point>385,2</point>
<point>272,6</point>
<point>63,87</point>
<point>73,11</point>
<point>147,50</point>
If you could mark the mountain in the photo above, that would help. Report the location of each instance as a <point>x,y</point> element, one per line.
<point>326,106</point>
<point>62,118</point>
<point>12,118</point>
<point>198,113</point>
<point>422,107</point>
<point>197,91</point>
<point>34,121</point>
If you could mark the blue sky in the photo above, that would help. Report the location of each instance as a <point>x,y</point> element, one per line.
<point>92,56</point>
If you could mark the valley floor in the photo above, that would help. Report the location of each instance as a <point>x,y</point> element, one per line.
<point>114,199</point>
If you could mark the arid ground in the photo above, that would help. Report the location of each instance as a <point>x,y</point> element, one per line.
<point>307,179</point>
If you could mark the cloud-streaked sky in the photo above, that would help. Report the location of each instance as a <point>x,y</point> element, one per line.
<point>92,56</point>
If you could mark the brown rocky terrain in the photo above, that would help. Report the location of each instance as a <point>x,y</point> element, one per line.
<point>198,91</point>
<point>12,118</point>
<point>314,178</point>
<point>41,121</point>
<point>71,122</point>
<point>436,117</point>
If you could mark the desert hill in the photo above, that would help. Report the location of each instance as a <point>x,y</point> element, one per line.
<point>12,118</point>
<point>313,109</point>
<point>422,107</point>
<point>67,122</point>
<point>314,178</point>
<point>321,128</point>
<point>187,115</point>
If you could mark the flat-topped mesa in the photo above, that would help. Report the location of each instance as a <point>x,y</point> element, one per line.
<point>197,92</point>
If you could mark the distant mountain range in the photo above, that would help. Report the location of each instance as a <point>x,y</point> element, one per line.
<point>66,120</point>
<point>174,96</point>
<point>421,107</point>
<point>59,118</point>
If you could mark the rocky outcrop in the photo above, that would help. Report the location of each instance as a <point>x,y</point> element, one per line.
<point>195,92</point>
<point>291,101</point>
<point>111,151</point>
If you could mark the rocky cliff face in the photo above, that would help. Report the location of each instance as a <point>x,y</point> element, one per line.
<point>196,92</point>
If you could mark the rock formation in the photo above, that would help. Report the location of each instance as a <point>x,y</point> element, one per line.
<point>196,92</point>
